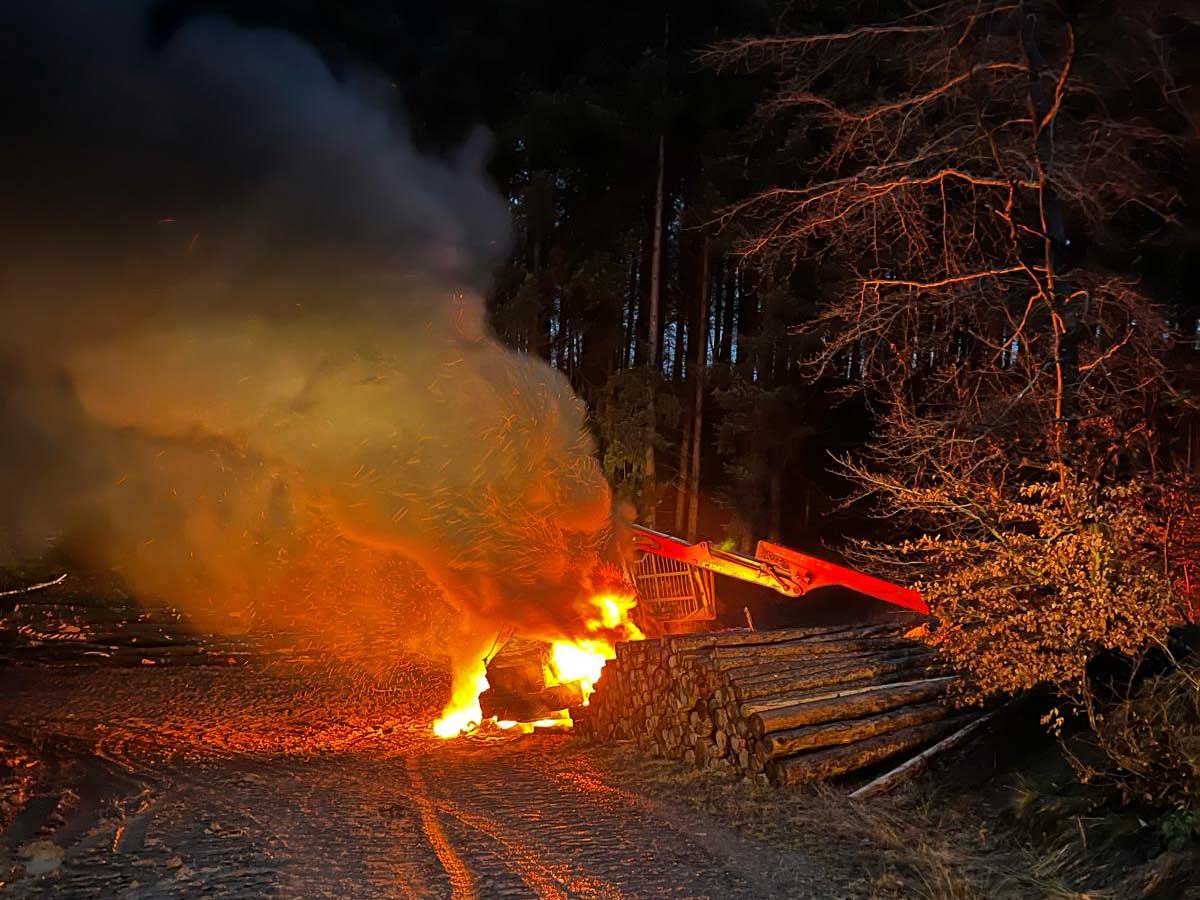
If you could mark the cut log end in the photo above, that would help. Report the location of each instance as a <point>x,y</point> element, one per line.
<point>800,704</point>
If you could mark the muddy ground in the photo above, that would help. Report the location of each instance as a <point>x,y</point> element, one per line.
<point>247,782</point>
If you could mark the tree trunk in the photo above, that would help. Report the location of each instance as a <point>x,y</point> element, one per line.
<point>652,335</point>
<point>1066,331</point>
<point>600,350</point>
<point>796,740</point>
<point>919,762</point>
<point>857,702</point>
<point>747,325</point>
<point>681,482</point>
<point>725,354</point>
<point>793,682</point>
<point>691,313</point>
<point>701,341</point>
<point>628,355</point>
<point>740,638</point>
<point>799,649</point>
<point>737,670</point>
<point>823,764</point>
<point>541,203</point>
<point>776,511</point>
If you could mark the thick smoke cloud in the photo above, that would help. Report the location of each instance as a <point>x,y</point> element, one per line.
<point>242,344</point>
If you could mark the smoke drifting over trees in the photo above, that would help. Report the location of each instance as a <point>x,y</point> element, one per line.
<point>241,333</point>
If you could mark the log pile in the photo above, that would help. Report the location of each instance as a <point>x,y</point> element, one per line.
<point>795,705</point>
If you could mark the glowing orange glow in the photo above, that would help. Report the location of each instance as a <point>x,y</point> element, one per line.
<point>571,660</point>
<point>580,661</point>
<point>564,722</point>
<point>583,659</point>
<point>614,612</point>
<point>462,713</point>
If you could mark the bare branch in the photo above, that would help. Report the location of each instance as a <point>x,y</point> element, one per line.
<point>35,587</point>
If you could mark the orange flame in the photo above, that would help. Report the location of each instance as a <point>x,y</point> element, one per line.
<point>462,714</point>
<point>579,659</point>
<point>583,659</point>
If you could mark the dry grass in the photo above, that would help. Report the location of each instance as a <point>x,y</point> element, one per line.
<point>1150,741</point>
<point>1086,838</point>
<point>912,844</point>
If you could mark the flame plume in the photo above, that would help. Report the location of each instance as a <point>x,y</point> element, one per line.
<point>572,659</point>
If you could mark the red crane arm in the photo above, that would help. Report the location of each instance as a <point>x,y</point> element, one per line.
<point>780,568</point>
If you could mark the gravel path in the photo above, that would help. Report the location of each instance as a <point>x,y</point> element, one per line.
<point>245,783</point>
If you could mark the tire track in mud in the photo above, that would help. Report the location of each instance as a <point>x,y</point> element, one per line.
<point>550,882</point>
<point>498,851</point>
<point>187,801</point>
<point>590,849</point>
<point>504,822</point>
<point>462,881</point>
<point>600,840</point>
<point>774,873</point>
<point>332,826</point>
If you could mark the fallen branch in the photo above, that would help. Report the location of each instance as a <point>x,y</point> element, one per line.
<point>35,587</point>
<point>911,767</point>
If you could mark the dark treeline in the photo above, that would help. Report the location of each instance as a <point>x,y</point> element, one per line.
<point>618,149</point>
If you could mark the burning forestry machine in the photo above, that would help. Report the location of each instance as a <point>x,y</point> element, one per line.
<point>676,593</point>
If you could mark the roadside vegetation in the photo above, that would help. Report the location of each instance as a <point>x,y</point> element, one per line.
<point>994,203</point>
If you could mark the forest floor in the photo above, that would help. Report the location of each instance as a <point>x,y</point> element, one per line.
<point>248,781</point>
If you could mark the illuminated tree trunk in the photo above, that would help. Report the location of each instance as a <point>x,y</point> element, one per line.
<point>696,315</point>
<point>701,340</point>
<point>725,353</point>
<point>1045,96</point>
<point>629,337</point>
<point>652,331</point>
<point>682,481</point>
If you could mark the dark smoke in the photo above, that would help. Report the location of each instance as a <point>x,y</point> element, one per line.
<point>242,342</point>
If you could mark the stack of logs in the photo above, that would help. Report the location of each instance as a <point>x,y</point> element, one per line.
<point>796,705</point>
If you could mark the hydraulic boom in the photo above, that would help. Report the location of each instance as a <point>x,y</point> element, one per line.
<point>780,568</point>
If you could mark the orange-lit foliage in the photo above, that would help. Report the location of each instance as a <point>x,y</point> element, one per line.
<point>964,172</point>
<point>1177,517</point>
<point>1052,577</point>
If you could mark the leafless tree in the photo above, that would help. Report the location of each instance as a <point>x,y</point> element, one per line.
<point>983,173</point>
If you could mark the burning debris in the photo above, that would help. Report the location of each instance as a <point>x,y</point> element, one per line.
<point>540,682</point>
<point>521,688</point>
<point>529,682</point>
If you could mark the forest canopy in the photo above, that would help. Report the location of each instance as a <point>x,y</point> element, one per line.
<point>916,274</point>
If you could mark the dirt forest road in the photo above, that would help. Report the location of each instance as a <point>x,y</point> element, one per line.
<point>241,783</point>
